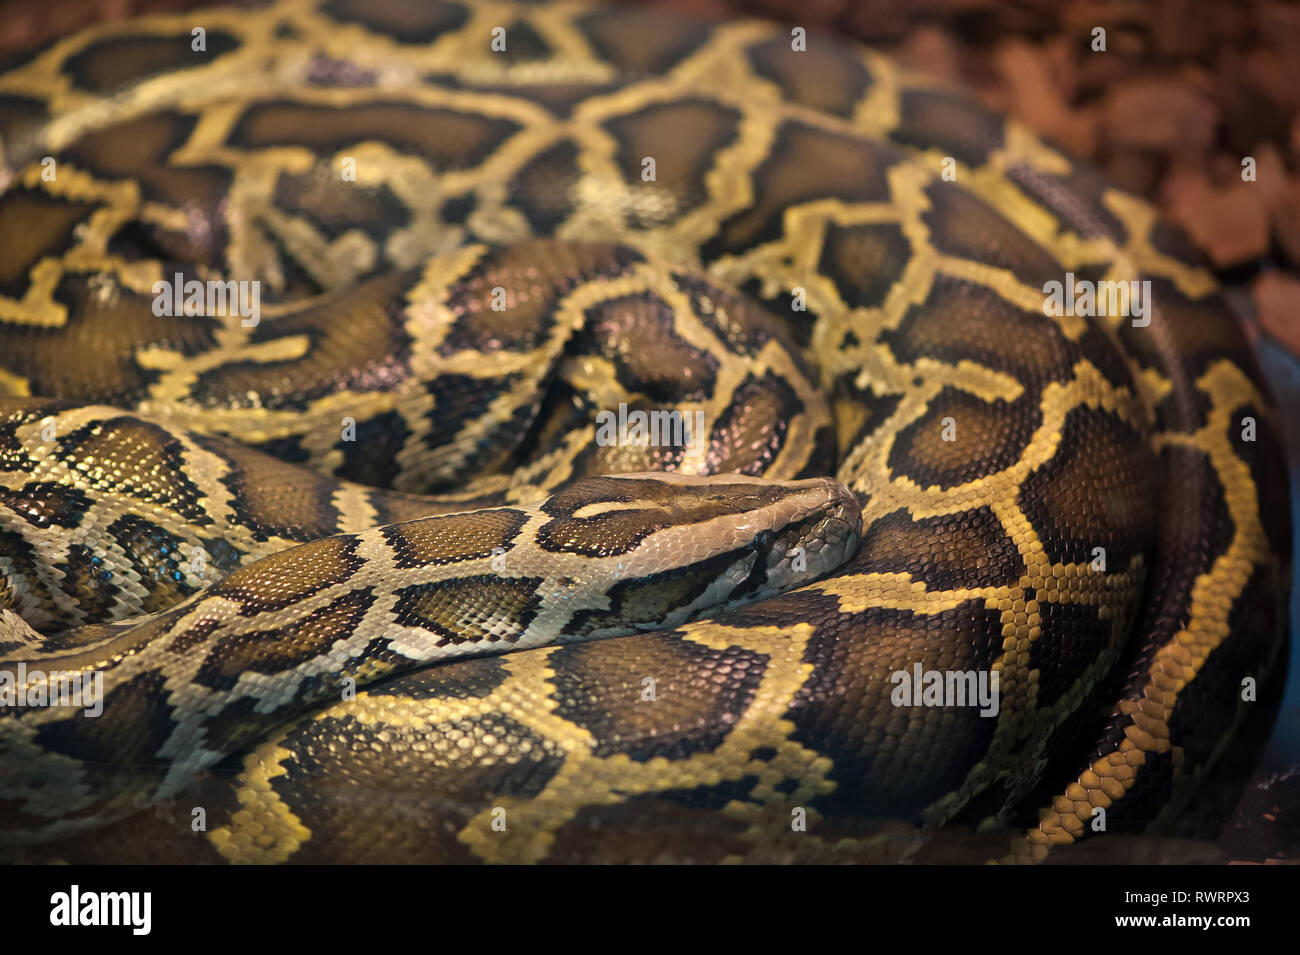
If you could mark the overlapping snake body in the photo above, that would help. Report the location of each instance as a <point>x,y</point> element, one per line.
<point>465,261</point>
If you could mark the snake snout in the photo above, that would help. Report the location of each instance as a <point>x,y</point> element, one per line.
<point>818,536</point>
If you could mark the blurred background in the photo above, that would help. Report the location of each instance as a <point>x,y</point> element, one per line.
<point>1186,90</point>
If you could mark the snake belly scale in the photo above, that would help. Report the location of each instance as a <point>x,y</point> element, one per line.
<point>480,231</point>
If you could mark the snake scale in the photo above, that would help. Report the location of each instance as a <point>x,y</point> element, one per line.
<point>296,547</point>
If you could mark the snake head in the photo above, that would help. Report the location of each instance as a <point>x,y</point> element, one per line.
<point>816,531</point>
<point>671,547</point>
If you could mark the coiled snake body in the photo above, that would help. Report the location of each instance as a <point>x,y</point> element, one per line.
<point>484,232</point>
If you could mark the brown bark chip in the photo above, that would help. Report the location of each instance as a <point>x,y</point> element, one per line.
<point>1277,301</point>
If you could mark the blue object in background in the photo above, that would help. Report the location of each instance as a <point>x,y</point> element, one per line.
<point>1282,369</point>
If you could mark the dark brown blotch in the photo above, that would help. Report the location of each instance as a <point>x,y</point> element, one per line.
<point>106,66</point>
<point>91,357</point>
<point>413,23</point>
<point>833,81</point>
<point>950,122</point>
<point>948,552</point>
<point>138,459</point>
<point>471,609</point>
<point>286,646</point>
<point>960,321</point>
<point>337,206</point>
<point>446,139</point>
<point>140,149</point>
<point>1206,332</point>
<point>646,600</point>
<point>155,555</point>
<point>434,781</point>
<point>654,828</point>
<point>805,164</point>
<point>1097,490</point>
<point>700,693</point>
<point>1073,638</point>
<point>864,261</point>
<point>291,575</point>
<point>644,42</point>
<point>987,437</point>
<point>535,276</point>
<point>750,432</point>
<point>695,131</point>
<point>637,334</point>
<point>845,709</point>
<point>542,189</point>
<point>1078,197</point>
<point>33,226</point>
<point>964,226</point>
<point>106,752</point>
<point>436,541</point>
<point>274,498</point>
<point>44,504</point>
<point>356,342</point>
<point>84,577</point>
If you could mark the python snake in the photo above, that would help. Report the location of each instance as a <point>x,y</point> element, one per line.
<point>481,233</point>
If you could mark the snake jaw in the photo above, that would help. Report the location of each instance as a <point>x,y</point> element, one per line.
<point>810,546</point>
<point>807,534</point>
